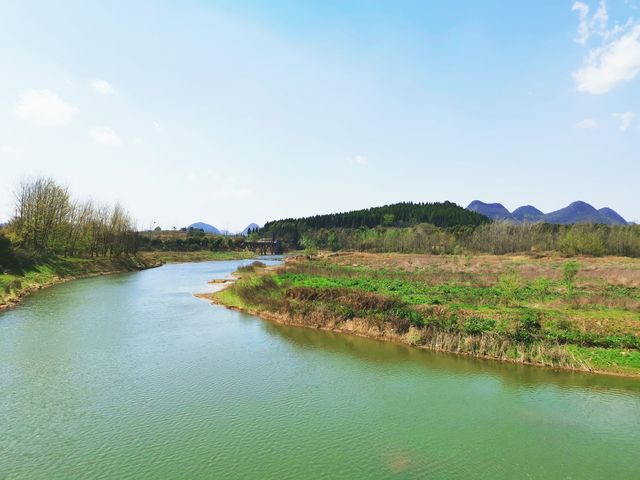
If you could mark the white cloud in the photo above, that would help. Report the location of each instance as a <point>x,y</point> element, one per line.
<point>44,107</point>
<point>102,87</point>
<point>625,120</point>
<point>361,160</point>
<point>616,60</point>
<point>158,127</point>
<point>587,27</point>
<point>105,136</point>
<point>11,151</point>
<point>587,124</point>
<point>601,17</point>
<point>583,19</point>
<point>615,63</point>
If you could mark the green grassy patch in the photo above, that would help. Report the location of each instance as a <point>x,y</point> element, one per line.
<point>534,319</point>
<point>197,256</point>
<point>612,359</point>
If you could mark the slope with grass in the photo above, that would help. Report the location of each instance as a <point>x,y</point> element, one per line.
<point>43,271</point>
<point>34,273</point>
<point>580,314</point>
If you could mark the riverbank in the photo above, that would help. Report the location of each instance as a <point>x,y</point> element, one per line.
<point>48,271</point>
<point>196,256</point>
<point>581,314</point>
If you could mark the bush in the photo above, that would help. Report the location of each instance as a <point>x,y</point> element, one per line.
<point>542,287</point>
<point>8,258</point>
<point>252,267</point>
<point>477,326</point>
<point>310,247</point>
<point>528,328</point>
<point>570,270</point>
<point>508,286</point>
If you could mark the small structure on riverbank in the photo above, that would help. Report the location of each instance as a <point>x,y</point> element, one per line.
<point>265,246</point>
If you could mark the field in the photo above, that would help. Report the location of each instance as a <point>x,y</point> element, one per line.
<point>581,313</point>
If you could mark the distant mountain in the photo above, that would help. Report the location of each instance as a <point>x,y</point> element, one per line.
<point>577,212</point>
<point>205,227</point>
<point>211,229</point>
<point>527,214</point>
<point>613,216</point>
<point>251,226</point>
<point>495,211</point>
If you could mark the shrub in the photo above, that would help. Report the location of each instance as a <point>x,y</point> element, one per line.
<point>400,324</point>
<point>477,326</point>
<point>570,271</point>
<point>542,286</point>
<point>508,286</point>
<point>8,259</point>
<point>444,322</point>
<point>310,247</point>
<point>528,328</point>
<point>333,242</point>
<point>252,267</point>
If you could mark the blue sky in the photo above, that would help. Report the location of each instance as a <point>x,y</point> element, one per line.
<point>230,113</point>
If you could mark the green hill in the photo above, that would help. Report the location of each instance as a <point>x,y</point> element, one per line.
<point>406,214</point>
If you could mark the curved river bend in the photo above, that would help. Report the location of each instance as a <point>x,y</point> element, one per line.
<point>130,376</point>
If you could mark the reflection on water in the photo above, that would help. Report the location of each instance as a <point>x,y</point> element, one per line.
<point>377,351</point>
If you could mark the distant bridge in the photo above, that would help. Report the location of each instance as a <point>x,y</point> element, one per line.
<point>265,246</point>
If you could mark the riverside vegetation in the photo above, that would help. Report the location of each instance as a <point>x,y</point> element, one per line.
<point>446,228</point>
<point>53,237</point>
<point>448,295</point>
<point>579,313</point>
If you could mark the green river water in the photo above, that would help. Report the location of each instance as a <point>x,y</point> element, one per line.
<point>130,376</point>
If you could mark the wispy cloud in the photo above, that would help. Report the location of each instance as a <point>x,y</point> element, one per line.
<point>590,25</point>
<point>625,120</point>
<point>609,66</point>
<point>587,124</point>
<point>102,87</point>
<point>616,60</point>
<point>105,136</point>
<point>44,107</point>
<point>360,160</point>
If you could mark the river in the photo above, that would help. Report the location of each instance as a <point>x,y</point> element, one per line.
<point>130,376</point>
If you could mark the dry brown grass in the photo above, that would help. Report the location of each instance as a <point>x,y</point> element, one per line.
<point>620,271</point>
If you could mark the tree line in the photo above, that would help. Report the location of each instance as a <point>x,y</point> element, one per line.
<point>405,214</point>
<point>47,220</point>
<point>192,240</point>
<point>494,238</point>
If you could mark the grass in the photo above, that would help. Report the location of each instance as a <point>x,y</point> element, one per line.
<point>539,310</point>
<point>197,256</point>
<point>610,359</point>
<point>44,271</point>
